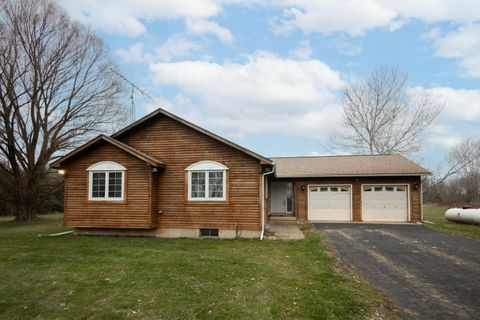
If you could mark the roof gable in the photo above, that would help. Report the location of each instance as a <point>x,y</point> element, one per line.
<point>212,135</point>
<point>120,145</point>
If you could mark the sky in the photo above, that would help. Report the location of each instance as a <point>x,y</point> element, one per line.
<point>269,75</point>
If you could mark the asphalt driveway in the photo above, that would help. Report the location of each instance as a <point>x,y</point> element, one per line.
<point>425,273</point>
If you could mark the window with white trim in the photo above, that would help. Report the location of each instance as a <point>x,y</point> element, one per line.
<point>207,181</point>
<point>106,181</point>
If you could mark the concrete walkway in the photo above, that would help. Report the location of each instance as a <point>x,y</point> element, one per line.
<point>283,231</point>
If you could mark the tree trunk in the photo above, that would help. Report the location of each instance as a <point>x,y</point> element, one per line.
<point>28,195</point>
<point>24,214</point>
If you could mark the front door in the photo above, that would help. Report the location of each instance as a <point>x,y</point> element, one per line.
<point>282,198</point>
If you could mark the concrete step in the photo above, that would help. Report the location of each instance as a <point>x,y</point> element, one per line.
<point>282,219</point>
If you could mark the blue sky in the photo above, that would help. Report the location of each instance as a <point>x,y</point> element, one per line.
<point>269,74</point>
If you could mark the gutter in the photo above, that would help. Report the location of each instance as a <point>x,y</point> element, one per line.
<point>263,199</point>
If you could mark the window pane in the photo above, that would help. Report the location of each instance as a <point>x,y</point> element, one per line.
<point>98,185</point>
<point>344,189</point>
<point>198,185</point>
<point>334,189</point>
<point>367,188</point>
<point>389,188</point>
<point>289,197</point>
<point>208,232</point>
<point>401,188</point>
<point>115,184</point>
<point>378,188</point>
<point>323,189</point>
<point>215,184</point>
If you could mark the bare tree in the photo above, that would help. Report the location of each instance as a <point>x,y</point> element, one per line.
<point>56,90</point>
<point>381,118</point>
<point>462,163</point>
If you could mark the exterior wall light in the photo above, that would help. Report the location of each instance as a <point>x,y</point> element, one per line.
<point>61,171</point>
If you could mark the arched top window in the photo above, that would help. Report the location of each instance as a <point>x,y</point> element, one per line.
<point>106,166</point>
<point>207,181</point>
<point>106,181</point>
<point>207,165</point>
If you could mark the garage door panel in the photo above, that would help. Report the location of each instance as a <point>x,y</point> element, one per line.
<point>329,203</point>
<point>385,203</point>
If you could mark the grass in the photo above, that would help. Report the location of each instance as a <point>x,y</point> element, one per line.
<point>437,216</point>
<point>77,277</point>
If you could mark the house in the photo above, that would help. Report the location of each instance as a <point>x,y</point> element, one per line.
<point>165,176</point>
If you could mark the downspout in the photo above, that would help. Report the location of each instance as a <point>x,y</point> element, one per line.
<point>421,200</point>
<point>263,199</point>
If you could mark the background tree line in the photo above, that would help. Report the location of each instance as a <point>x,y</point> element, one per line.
<point>460,183</point>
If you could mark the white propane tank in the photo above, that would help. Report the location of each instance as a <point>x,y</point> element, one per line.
<point>471,216</point>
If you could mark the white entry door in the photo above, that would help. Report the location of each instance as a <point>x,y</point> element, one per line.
<point>385,203</point>
<point>282,198</point>
<point>330,203</point>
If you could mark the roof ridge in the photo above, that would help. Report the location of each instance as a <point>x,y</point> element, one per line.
<point>338,156</point>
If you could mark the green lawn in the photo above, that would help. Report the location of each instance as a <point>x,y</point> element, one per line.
<point>437,216</point>
<point>77,277</point>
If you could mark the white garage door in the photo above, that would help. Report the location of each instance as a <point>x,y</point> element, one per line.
<point>384,203</point>
<point>329,203</point>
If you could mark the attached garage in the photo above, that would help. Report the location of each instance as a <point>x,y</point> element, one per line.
<point>330,203</point>
<point>385,203</point>
<point>370,188</point>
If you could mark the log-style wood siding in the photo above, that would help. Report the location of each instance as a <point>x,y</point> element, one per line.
<point>160,199</point>
<point>179,146</point>
<point>132,212</point>
<point>301,198</point>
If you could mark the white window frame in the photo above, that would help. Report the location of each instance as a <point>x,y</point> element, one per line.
<point>105,167</point>
<point>207,166</point>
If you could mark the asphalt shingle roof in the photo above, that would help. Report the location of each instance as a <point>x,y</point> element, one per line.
<point>350,165</point>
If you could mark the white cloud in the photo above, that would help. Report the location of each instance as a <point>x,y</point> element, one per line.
<point>432,34</point>
<point>353,18</point>
<point>126,17</point>
<point>266,93</point>
<point>303,51</point>
<point>204,26</point>
<point>462,44</point>
<point>327,17</point>
<point>322,16</point>
<point>462,11</point>
<point>356,17</point>
<point>175,47</point>
<point>345,47</point>
<point>460,117</point>
<point>133,54</point>
<point>460,104</point>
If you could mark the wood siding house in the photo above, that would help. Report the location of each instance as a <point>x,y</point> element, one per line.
<point>164,176</point>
